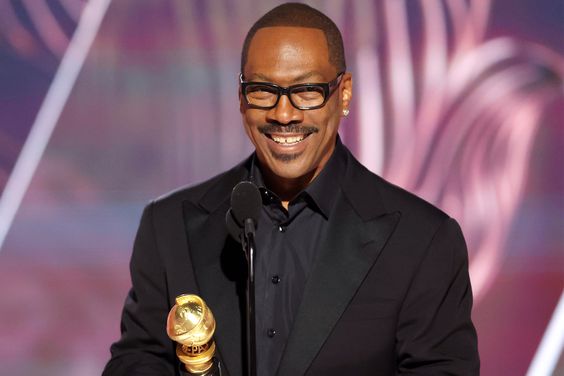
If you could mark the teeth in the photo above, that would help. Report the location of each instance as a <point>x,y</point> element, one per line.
<point>287,140</point>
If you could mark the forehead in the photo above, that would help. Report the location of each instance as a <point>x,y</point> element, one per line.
<point>283,53</point>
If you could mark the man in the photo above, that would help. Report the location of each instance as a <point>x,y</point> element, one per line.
<point>354,275</point>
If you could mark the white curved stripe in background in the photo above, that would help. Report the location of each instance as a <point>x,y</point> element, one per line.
<point>49,113</point>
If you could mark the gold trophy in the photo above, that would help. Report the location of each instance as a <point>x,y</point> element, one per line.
<point>191,324</point>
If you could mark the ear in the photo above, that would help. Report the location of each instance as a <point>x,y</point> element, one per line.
<point>346,90</point>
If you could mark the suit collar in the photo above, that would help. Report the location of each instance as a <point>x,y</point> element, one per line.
<point>323,189</point>
<point>220,189</point>
<point>362,189</point>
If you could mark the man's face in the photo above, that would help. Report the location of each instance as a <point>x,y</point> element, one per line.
<point>292,143</point>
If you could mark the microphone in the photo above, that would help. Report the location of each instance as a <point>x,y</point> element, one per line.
<point>245,209</point>
<point>241,221</point>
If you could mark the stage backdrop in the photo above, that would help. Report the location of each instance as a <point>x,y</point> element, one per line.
<point>106,105</point>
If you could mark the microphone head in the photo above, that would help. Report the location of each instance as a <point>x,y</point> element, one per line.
<point>246,202</point>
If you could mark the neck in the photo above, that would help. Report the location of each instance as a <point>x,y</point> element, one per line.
<point>286,189</point>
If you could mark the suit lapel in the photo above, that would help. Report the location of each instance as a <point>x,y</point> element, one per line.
<point>219,266</point>
<point>358,231</point>
<point>345,259</point>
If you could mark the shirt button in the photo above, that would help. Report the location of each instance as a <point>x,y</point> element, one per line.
<point>271,332</point>
<point>281,228</point>
<point>275,279</point>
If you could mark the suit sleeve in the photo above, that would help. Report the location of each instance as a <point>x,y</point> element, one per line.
<point>435,334</point>
<point>144,347</point>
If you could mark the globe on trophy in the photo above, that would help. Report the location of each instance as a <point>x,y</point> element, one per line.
<point>191,324</point>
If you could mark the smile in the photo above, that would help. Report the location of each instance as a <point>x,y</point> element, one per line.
<point>288,140</point>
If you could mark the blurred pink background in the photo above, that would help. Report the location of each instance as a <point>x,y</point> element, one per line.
<point>107,105</point>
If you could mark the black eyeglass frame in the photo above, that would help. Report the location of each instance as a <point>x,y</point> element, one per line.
<point>327,87</point>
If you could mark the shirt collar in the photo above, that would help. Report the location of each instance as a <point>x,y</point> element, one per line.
<point>322,191</point>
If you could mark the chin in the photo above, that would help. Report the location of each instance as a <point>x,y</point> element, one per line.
<point>286,166</point>
<point>289,171</point>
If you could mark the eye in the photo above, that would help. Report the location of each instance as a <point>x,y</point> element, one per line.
<point>261,91</point>
<point>308,93</point>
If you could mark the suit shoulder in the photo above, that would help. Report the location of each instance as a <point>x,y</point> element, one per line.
<point>196,192</point>
<point>371,194</point>
<point>420,220</point>
<point>373,188</point>
<point>397,198</point>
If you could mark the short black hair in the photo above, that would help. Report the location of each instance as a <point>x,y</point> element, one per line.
<point>301,15</point>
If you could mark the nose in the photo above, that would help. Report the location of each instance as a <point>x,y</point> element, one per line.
<point>284,112</point>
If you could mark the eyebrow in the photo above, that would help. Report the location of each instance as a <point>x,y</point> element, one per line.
<point>302,77</point>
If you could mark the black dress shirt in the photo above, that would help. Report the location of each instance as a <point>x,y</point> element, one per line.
<point>287,242</point>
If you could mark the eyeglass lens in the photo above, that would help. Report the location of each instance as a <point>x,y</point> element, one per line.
<point>302,96</point>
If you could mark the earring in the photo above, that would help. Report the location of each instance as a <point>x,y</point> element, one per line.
<point>345,112</point>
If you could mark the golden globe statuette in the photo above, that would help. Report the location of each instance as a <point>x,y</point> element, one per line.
<point>191,324</point>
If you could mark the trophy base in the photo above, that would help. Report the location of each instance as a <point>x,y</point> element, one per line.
<point>213,370</point>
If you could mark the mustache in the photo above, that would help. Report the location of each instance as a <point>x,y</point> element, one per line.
<point>293,128</point>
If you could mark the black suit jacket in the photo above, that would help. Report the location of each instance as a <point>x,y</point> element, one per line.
<point>389,293</point>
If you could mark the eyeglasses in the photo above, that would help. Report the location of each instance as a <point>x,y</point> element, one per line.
<point>265,95</point>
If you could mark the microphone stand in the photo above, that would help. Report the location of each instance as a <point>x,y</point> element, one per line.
<point>245,210</point>
<point>248,240</point>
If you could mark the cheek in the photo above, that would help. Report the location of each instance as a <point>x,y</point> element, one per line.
<point>327,123</point>
<point>250,124</point>
<point>330,115</point>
